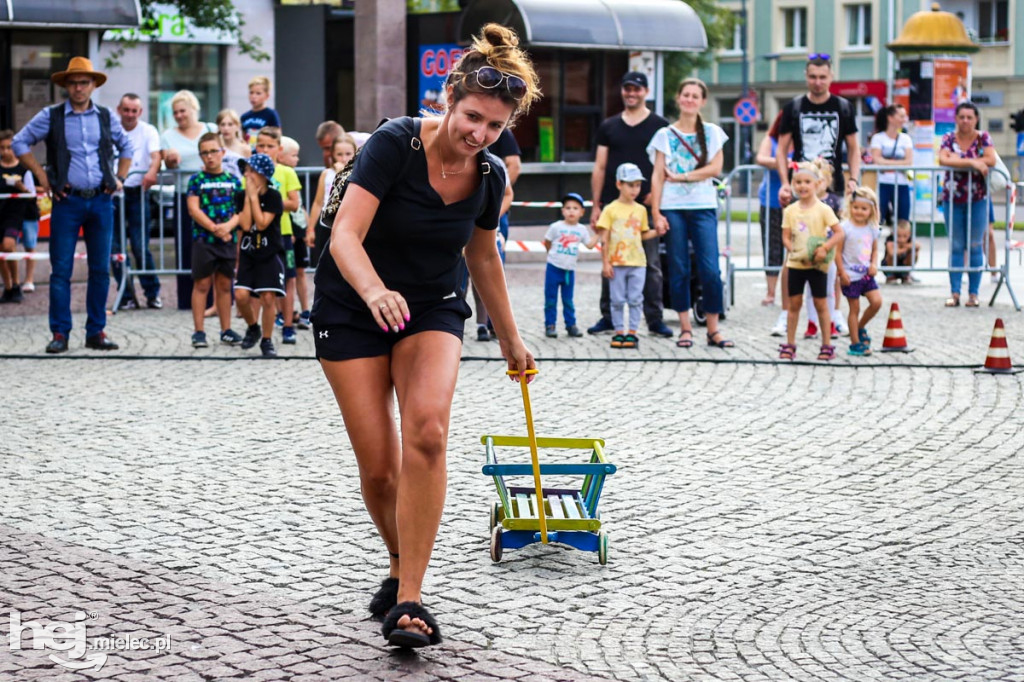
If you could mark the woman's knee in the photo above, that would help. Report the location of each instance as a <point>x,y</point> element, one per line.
<point>380,475</point>
<point>424,435</point>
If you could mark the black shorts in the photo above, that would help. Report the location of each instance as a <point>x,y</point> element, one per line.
<point>261,275</point>
<point>11,231</point>
<point>210,258</point>
<point>288,256</point>
<point>301,250</point>
<point>360,337</point>
<point>816,278</point>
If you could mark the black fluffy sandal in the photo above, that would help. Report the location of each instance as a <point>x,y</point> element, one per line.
<point>384,599</point>
<point>411,638</point>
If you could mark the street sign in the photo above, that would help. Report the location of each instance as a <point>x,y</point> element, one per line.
<point>745,112</point>
<point>1020,144</point>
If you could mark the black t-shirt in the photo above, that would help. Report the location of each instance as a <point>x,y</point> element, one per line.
<point>15,210</point>
<point>821,132</point>
<point>505,145</point>
<point>415,241</point>
<point>262,245</point>
<point>627,144</point>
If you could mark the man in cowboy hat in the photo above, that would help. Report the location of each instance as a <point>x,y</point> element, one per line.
<point>81,175</point>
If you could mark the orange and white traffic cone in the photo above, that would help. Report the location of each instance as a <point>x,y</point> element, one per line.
<point>998,359</point>
<point>895,340</point>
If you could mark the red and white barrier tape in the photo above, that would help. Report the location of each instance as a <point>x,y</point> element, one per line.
<point>519,246</point>
<point>21,195</point>
<point>116,257</point>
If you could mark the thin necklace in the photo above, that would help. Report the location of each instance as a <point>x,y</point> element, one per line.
<point>444,173</point>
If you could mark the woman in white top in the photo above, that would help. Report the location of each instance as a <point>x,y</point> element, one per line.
<point>890,146</point>
<point>180,144</point>
<point>180,147</point>
<point>687,155</point>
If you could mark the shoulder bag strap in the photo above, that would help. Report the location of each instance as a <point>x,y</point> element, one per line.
<point>683,142</point>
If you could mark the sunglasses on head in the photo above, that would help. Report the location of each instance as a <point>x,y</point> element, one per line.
<point>489,78</point>
<point>819,57</point>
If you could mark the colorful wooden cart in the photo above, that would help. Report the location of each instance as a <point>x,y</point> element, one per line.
<point>567,516</point>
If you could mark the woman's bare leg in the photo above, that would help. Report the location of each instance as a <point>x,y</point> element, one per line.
<point>365,396</point>
<point>424,369</point>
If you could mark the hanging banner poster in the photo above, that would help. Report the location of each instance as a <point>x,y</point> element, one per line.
<point>435,63</point>
<point>951,87</point>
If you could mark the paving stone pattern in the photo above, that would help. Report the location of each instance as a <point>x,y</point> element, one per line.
<point>767,521</point>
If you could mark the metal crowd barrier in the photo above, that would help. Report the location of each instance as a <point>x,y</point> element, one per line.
<point>172,221</point>
<point>740,237</point>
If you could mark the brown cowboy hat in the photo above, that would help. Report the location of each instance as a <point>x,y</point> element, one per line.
<point>79,66</point>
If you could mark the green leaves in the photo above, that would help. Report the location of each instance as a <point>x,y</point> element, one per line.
<point>213,14</point>
<point>719,24</point>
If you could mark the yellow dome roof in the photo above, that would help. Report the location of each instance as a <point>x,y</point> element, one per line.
<point>934,31</point>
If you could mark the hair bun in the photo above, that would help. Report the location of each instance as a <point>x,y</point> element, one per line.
<point>496,35</point>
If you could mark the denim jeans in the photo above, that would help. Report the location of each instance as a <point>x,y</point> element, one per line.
<point>963,236</point>
<point>627,288</point>
<point>136,218</point>
<point>888,196</point>
<point>699,226</point>
<point>96,218</point>
<point>555,279</point>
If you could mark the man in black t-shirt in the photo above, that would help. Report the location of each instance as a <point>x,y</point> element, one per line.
<point>817,124</point>
<point>623,139</point>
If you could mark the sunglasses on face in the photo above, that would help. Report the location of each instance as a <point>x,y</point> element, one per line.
<point>489,78</point>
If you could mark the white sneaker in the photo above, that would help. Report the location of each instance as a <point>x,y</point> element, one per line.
<point>841,326</point>
<point>780,324</point>
<point>28,287</point>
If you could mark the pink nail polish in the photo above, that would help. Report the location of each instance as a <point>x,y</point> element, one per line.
<point>384,327</point>
<point>406,318</point>
<point>402,327</point>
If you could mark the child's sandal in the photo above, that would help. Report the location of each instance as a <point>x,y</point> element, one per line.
<point>787,351</point>
<point>827,352</point>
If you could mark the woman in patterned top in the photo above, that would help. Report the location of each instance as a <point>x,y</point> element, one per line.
<point>970,153</point>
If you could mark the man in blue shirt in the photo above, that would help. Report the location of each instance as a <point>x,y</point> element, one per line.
<point>81,138</point>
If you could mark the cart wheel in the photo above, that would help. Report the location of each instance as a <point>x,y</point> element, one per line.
<point>495,515</point>
<point>496,544</point>
<point>602,547</point>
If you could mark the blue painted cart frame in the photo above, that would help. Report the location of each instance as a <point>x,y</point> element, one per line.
<point>572,515</point>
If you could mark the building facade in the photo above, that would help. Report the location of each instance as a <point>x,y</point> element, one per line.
<point>781,33</point>
<point>174,55</point>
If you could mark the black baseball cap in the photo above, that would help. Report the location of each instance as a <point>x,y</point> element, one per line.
<point>635,78</point>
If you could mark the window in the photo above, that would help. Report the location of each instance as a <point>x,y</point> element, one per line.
<point>795,20</point>
<point>993,21</point>
<point>858,22</point>
<point>179,66</point>
<point>735,45</point>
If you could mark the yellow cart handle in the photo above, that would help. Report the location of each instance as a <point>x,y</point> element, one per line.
<point>533,453</point>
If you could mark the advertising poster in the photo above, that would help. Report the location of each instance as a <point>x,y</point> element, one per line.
<point>435,63</point>
<point>950,89</point>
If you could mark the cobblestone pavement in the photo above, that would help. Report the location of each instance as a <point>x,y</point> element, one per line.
<point>767,521</point>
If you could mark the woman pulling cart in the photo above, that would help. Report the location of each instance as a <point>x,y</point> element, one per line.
<point>389,311</point>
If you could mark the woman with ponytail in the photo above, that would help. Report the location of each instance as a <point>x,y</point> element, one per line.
<point>687,155</point>
<point>422,202</point>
